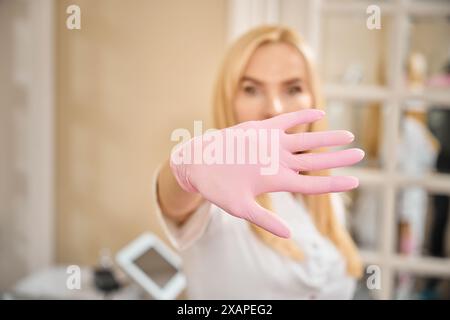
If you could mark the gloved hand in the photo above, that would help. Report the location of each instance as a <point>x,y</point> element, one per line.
<point>233,186</point>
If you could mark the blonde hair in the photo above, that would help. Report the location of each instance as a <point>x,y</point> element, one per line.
<point>319,206</point>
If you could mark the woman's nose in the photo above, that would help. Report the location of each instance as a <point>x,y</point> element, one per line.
<point>274,107</point>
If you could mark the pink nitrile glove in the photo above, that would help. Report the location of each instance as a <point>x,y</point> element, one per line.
<point>234,186</point>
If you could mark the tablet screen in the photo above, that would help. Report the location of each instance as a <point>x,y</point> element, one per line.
<point>156,267</point>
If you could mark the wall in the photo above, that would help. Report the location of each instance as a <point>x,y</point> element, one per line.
<point>26,138</point>
<point>134,72</point>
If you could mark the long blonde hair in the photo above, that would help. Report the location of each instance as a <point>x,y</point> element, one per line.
<point>319,206</point>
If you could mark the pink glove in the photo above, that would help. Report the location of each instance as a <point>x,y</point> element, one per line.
<point>201,165</point>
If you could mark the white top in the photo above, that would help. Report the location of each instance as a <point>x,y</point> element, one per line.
<point>224,259</point>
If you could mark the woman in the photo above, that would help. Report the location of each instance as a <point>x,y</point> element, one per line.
<point>303,250</point>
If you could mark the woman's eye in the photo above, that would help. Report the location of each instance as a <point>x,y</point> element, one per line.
<point>294,90</point>
<point>250,90</point>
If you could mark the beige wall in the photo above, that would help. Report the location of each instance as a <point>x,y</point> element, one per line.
<point>135,71</point>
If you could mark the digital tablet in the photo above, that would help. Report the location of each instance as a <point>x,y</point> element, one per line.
<point>153,266</point>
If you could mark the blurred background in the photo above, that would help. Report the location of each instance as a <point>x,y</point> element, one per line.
<point>86,117</point>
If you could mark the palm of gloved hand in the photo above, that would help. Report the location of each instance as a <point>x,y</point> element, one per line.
<point>233,186</point>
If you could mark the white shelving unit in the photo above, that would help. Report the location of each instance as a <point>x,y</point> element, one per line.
<point>307,17</point>
<point>393,96</point>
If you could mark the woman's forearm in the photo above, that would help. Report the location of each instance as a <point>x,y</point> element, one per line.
<point>175,203</point>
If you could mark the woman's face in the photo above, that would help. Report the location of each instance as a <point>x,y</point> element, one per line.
<point>274,82</point>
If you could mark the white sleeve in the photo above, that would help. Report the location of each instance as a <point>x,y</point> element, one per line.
<point>185,235</point>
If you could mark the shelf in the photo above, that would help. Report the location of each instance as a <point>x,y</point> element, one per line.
<point>379,93</point>
<point>356,92</point>
<point>433,96</point>
<point>429,8</point>
<point>434,182</point>
<point>422,265</point>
